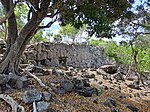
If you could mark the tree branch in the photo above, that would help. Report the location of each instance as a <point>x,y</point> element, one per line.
<point>2,20</point>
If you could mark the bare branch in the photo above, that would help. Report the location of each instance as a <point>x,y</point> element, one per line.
<point>48,25</point>
<point>11,10</point>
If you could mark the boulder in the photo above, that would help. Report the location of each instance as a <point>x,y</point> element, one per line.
<point>12,80</point>
<point>111,69</point>
<point>46,96</point>
<point>78,83</point>
<point>32,95</point>
<point>42,106</point>
<point>67,85</point>
<point>87,91</point>
<point>60,90</point>
<point>21,82</point>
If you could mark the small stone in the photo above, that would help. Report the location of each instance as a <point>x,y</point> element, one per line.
<point>87,92</point>
<point>42,106</point>
<point>114,110</point>
<point>67,85</point>
<point>100,82</point>
<point>118,76</point>
<point>46,96</point>
<point>132,108</point>
<point>134,85</point>
<point>31,96</point>
<point>86,83</point>
<point>121,96</point>
<point>22,82</point>
<point>110,102</point>
<point>60,90</point>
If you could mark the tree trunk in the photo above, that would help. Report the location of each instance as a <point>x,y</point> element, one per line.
<point>12,24</point>
<point>16,43</point>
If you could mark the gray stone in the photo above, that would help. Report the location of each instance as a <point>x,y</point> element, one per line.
<point>74,55</point>
<point>87,91</point>
<point>32,95</point>
<point>4,79</point>
<point>111,69</point>
<point>60,90</point>
<point>78,83</point>
<point>47,62</point>
<point>46,96</point>
<point>114,110</point>
<point>12,80</point>
<point>132,108</point>
<point>134,85</point>
<point>42,106</point>
<point>67,85</point>
<point>118,76</point>
<point>22,82</point>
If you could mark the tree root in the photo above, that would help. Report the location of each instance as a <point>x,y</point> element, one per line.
<point>37,79</point>
<point>34,107</point>
<point>14,105</point>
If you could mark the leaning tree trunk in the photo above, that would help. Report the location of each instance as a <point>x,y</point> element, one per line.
<point>12,32</point>
<point>17,46</point>
<point>10,63</point>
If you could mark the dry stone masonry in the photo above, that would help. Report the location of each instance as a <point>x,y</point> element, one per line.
<point>49,54</point>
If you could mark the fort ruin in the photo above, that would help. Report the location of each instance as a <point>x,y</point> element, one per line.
<point>59,54</point>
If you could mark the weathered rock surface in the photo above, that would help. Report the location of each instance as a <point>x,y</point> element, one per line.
<point>111,69</point>
<point>48,54</point>
<point>67,85</point>
<point>46,96</point>
<point>22,82</point>
<point>32,95</point>
<point>42,106</point>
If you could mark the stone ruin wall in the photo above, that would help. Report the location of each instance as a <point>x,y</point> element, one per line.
<point>49,54</point>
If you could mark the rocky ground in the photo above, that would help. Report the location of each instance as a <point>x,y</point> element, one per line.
<point>78,90</point>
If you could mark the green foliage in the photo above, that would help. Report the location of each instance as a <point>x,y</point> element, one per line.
<point>98,43</point>
<point>119,53</point>
<point>98,15</point>
<point>69,31</point>
<point>57,38</point>
<point>122,53</point>
<point>38,37</point>
<point>21,12</point>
